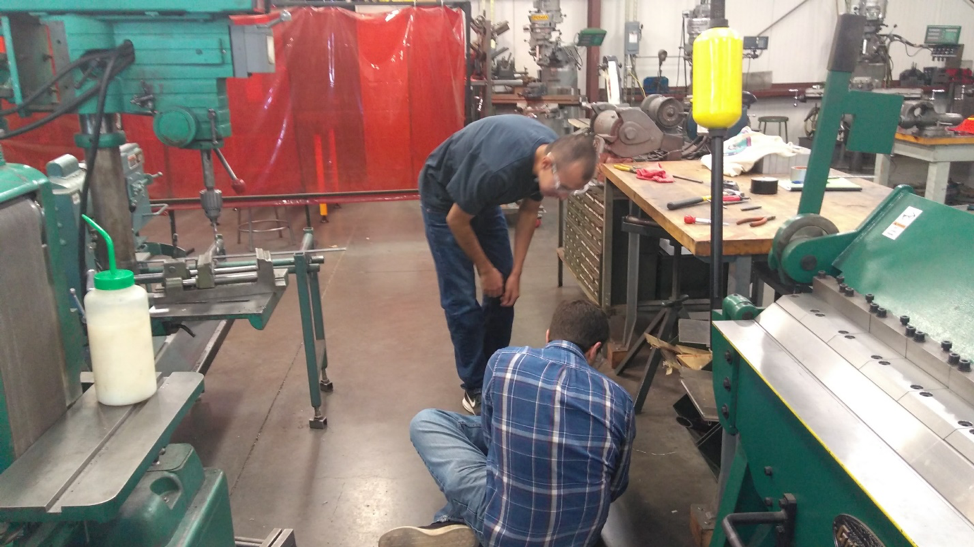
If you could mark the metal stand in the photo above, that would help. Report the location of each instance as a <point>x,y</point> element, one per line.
<point>664,323</point>
<point>278,224</point>
<point>313,334</point>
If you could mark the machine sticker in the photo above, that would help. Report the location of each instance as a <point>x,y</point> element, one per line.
<point>849,531</point>
<point>902,222</point>
<point>538,16</point>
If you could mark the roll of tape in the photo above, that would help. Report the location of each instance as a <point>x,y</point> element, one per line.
<point>764,185</point>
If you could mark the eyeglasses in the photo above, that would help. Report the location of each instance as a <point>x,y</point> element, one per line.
<point>562,191</point>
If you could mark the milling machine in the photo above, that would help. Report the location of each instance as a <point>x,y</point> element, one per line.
<point>558,62</point>
<point>853,398</point>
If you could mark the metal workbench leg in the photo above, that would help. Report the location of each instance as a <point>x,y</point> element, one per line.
<point>303,284</point>
<point>561,241</point>
<point>740,276</point>
<point>632,281</point>
<point>937,175</point>
<point>881,170</point>
<point>656,357</point>
<point>608,226</point>
<point>324,384</point>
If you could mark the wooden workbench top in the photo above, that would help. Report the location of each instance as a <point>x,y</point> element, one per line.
<point>932,141</point>
<point>846,209</point>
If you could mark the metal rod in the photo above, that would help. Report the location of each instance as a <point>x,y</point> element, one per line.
<point>716,217</point>
<point>285,197</point>
<point>145,279</point>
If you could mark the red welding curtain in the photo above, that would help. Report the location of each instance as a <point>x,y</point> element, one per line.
<point>357,103</point>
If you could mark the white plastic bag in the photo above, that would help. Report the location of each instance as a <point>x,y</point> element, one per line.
<point>742,151</point>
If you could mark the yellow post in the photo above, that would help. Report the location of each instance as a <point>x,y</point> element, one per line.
<point>718,61</point>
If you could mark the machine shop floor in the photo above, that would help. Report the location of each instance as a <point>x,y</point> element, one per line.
<point>390,356</point>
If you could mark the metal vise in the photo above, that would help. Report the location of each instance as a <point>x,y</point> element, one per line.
<point>922,116</point>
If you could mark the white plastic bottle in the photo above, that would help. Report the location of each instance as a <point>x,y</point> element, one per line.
<point>119,335</point>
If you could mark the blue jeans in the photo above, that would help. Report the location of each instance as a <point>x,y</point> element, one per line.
<point>477,330</point>
<point>453,449</point>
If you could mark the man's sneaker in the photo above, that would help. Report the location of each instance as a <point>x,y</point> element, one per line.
<point>440,534</point>
<point>471,402</point>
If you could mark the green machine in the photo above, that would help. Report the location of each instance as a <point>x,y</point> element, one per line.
<point>853,399</point>
<point>168,59</point>
<point>74,472</point>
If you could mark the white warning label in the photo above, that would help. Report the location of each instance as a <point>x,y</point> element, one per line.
<point>902,222</point>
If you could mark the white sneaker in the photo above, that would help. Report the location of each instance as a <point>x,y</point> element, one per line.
<point>440,534</point>
<point>471,402</point>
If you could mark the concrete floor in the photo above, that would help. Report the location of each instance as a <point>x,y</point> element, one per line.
<point>390,356</point>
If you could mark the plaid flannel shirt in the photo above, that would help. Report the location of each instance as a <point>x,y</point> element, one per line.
<point>559,436</point>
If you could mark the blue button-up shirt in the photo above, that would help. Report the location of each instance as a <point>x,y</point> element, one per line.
<point>559,436</point>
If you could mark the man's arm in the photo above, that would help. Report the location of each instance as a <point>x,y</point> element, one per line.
<point>490,277</point>
<point>527,221</point>
<point>620,481</point>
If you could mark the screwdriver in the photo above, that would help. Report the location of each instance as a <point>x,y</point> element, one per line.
<point>690,219</point>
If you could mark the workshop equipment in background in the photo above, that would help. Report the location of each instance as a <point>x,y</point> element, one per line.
<point>717,58</point>
<point>927,122</point>
<point>875,114</point>
<point>73,472</point>
<point>636,132</point>
<point>559,62</point>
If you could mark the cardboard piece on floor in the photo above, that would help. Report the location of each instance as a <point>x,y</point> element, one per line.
<point>657,343</point>
<point>695,362</point>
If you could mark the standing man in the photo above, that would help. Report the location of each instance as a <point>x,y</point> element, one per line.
<point>491,162</point>
<point>548,455</point>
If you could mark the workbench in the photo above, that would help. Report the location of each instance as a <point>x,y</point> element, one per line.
<point>938,152</point>
<point>742,243</point>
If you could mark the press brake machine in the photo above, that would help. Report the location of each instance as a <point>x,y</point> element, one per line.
<point>853,399</point>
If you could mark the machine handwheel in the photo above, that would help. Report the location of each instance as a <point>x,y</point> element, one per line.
<point>798,228</point>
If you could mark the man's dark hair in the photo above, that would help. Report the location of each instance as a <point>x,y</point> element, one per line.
<point>575,148</point>
<point>579,322</point>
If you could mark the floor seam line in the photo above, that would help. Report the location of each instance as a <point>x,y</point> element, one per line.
<point>267,416</point>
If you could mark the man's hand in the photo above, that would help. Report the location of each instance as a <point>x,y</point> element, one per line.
<point>492,282</point>
<point>512,290</point>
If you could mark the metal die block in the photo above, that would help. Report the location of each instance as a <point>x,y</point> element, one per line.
<point>861,349</point>
<point>828,325</point>
<point>888,331</point>
<point>854,308</point>
<point>963,441</point>
<point>897,377</point>
<point>800,305</point>
<point>940,410</point>
<point>961,384</point>
<point>928,356</point>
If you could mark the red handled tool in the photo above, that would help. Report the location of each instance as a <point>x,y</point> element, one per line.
<point>754,222</point>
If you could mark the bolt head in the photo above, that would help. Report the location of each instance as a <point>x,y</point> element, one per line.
<point>870,298</point>
<point>727,384</point>
<point>881,312</point>
<point>768,470</point>
<point>946,345</point>
<point>904,319</point>
<point>724,411</point>
<point>953,358</point>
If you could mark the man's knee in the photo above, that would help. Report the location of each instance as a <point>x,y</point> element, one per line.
<point>424,422</point>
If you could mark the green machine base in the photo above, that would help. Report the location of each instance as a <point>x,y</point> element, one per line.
<point>177,503</point>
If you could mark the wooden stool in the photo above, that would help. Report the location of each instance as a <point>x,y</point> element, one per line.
<point>277,223</point>
<point>782,121</point>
